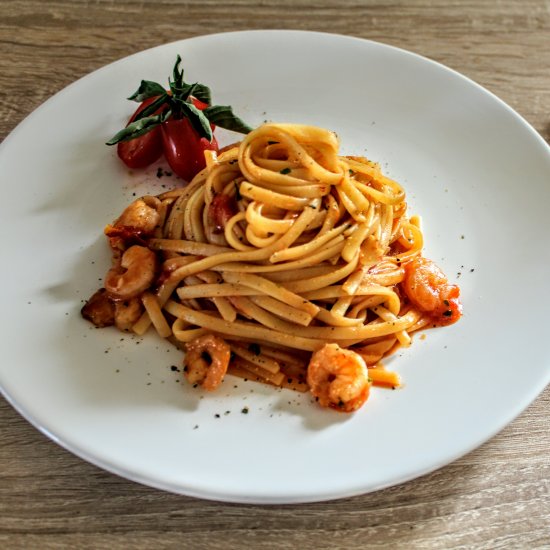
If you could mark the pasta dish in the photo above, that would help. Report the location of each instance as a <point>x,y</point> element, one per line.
<point>282,262</point>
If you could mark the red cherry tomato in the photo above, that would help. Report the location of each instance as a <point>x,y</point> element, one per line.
<point>184,149</point>
<point>202,106</point>
<point>199,104</point>
<point>144,150</point>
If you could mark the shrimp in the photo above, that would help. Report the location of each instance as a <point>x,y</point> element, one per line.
<point>127,313</point>
<point>338,378</point>
<point>103,311</point>
<point>99,309</point>
<point>133,275</point>
<point>139,220</point>
<point>206,361</point>
<point>141,215</point>
<point>427,287</point>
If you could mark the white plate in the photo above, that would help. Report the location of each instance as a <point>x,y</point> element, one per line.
<point>477,173</point>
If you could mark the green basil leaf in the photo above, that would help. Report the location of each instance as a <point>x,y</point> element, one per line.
<point>177,73</point>
<point>182,92</point>
<point>164,99</point>
<point>202,93</point>
<point>224,117</point>
<point>197,119</point>
<point>146,90</point>
<point>138,128</point>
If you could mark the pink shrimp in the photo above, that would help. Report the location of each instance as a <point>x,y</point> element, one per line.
<point>427,287</point>
<point>133,275</point>
<point>206,361</point>
<point>338,378</point>
<point>141,215</point>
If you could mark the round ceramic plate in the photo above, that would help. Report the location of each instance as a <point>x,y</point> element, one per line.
<point>475,171</point>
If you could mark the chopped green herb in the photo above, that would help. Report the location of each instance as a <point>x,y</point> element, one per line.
<point>285,171</point>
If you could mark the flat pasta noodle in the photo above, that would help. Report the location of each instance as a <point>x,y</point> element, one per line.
<point>279,248</point>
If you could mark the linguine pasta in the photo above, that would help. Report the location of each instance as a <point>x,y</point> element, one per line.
<point>278,247</point>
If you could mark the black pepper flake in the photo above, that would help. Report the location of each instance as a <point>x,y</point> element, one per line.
<point>195,426</point>
<point>472,270</point>
<point>284,171</point>
<point>216,415</point>
<point>159,172</point>
<point>446,302</point>
<point>244,410</point>
<point>447,313</point>
<point>174,368</point>
<point>272,142</point>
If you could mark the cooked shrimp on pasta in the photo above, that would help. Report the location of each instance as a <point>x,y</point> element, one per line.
<point>281,261</point>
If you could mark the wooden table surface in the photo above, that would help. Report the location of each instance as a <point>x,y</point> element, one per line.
<point>495,497</point>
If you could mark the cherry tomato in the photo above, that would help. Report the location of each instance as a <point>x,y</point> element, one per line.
<point>201,106</point>
<point>144,150</point>
<point>184,149</point>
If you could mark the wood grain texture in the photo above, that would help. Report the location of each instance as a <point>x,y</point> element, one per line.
<point>495,497</point>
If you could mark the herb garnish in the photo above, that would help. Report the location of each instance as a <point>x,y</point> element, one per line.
<point>177,103</point>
